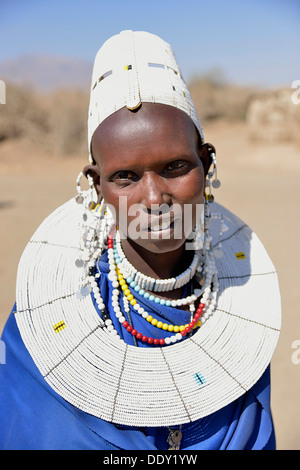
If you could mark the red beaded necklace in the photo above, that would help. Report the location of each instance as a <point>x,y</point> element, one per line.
<point>161,341</point>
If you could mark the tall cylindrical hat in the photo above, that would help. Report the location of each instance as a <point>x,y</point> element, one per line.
<point>135,67</point>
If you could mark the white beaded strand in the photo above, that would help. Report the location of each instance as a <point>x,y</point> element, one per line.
<point>148,283</point>
<point>94,242</point>
<point>208,298</point>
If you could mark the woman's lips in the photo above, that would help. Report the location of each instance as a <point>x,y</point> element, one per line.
<point>167,229</point>
<point>158,226</point>
<point>154,222</point>
<point>171,222</point>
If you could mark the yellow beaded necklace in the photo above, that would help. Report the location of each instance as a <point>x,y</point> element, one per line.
<point>149,318</point>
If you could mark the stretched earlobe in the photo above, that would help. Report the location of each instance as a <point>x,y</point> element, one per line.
<point>206,155</point>
<point>212,176</point>
<point>91,172</point>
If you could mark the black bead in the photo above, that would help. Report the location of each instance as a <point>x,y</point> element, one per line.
<point>91,270</point>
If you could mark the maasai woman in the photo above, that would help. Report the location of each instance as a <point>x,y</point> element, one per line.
<point>146,314</point>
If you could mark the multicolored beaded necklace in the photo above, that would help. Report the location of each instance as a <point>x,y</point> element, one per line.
<point>117,277</point>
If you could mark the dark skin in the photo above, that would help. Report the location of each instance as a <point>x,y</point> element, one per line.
<point>151,156</point>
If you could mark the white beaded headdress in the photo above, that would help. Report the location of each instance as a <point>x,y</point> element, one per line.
<point>135,67</point>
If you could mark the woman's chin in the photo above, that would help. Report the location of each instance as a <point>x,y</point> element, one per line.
<point>159,242</point>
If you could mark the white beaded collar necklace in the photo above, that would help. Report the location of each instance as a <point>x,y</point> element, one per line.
<point>90,368</point>
<point>208,296</point>
<point>149,283</point>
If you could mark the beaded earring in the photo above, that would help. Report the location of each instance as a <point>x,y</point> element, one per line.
<point>215,183</point>
<point>202,226</point>
<point>95,226</point>
<point>197,236</point>
<point>98,234</point>
<point>218,252</point>
<point>85,197</point>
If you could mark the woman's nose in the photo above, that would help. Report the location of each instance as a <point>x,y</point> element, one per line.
<point>155,191</point>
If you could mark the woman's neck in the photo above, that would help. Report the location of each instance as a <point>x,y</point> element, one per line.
<point>157,265</point>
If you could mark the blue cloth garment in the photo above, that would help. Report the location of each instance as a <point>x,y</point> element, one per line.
<point>34,417</point>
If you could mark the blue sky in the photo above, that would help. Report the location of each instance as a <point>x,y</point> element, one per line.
<point>252,41</point>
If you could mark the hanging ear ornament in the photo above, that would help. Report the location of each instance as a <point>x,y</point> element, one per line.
<point>198,240</point>
<point>218,251</point>
<point>79,198</point>
<point>210,182</point>
<point>209,197</point>
<point>213,181</point>
<point>88,196</point>
<point>216,183</point>
<point>94,230</point>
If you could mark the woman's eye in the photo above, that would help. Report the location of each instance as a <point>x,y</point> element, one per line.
<point>124,176</point>
<point>179,165</point>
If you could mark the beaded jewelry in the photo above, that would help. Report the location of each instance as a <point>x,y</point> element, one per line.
<point>90,367</point>
<point>216,183</point>
<point>98,228</point>
<point>148,283</point>
<point>168,303</point>
<point>115,303</point>
<point>76,347</point>
<point>189,300</point>
<point>116,277</point>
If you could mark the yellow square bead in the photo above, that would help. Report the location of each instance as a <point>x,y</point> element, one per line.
<point>240,255</point>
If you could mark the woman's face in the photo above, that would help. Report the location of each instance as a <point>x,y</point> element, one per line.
<point>147,160</point>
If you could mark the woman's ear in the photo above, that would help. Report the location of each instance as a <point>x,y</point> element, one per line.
<point>205,152</point>
<point>94,172</point>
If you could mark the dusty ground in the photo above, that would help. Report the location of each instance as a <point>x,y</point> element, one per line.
<point>260,182</point>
